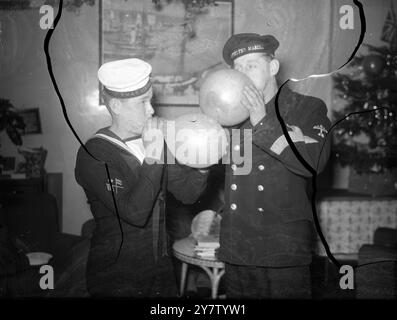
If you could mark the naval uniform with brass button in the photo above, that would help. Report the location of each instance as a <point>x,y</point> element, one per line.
<point>267,220</point>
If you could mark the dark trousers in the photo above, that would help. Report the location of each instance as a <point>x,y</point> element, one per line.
<point>250,282</point>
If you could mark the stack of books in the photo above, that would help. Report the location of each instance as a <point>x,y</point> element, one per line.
<point>206,246</point>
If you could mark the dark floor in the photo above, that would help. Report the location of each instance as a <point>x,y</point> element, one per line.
<point>325,282</point>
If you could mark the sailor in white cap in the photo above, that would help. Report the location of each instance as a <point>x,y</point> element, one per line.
<point>137,266</point>
<point>127,95</point>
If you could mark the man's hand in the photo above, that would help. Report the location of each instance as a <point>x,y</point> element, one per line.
<point>153,138</point>
<point>254,101</point>
<point>156,123</point>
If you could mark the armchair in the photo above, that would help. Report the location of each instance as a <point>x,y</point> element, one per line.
<point>30,221</point>
<point>376,278</point>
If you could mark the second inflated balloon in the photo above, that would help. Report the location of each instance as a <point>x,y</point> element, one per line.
<point>221,94</point>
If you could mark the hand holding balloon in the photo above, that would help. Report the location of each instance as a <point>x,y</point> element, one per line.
<point>199,141</point>
<point>221,94</point>
<point>254,101</point>
<point>153,138</point>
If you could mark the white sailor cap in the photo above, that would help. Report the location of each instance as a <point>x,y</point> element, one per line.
<point>125,78</point>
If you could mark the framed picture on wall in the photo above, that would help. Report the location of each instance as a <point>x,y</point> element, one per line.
<point>182,44</point>
<point>31,118</point>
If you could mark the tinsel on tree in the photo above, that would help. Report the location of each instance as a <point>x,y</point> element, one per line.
<point>367,141</point>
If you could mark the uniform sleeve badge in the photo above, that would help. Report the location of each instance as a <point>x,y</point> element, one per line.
<point>321,129</point>
<point>116,184</point>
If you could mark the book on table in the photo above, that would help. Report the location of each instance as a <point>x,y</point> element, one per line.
<point>206,246</point>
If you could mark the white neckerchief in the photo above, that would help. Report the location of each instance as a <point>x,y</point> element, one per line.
<point>137,148</point>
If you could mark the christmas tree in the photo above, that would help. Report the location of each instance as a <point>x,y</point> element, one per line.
<point>367,141</point>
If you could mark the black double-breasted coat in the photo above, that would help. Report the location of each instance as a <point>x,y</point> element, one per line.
<point>267,219</point>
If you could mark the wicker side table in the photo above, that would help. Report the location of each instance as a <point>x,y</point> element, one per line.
<point>184,250</point>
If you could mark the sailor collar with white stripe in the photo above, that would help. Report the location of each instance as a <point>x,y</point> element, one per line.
<point>133,145</point>
<point>106,131</point>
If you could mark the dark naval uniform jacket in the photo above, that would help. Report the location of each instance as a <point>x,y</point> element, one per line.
<point>121,260</point>
<point>267,219</point>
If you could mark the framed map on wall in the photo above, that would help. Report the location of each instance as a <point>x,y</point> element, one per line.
<point>182,44</point>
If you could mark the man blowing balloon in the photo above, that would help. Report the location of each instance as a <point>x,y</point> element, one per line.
<point>266,228</point>
<point>127,256</point>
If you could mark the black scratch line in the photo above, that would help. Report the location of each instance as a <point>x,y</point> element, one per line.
<point>65,115</point>
<point>321,151</point>
<point>295,150</point>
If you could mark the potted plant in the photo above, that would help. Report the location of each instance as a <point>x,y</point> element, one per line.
<point>11,122</point>
<point>14,125</point>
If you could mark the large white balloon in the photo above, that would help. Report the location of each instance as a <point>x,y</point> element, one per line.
<point>198,141</point>
<point>221,94</point>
